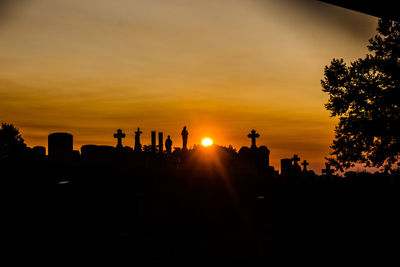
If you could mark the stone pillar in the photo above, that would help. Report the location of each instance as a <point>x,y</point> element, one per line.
<point>160,143</point>
<point>153,141</point>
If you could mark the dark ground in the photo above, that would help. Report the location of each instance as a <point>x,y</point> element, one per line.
<point>160,214</point>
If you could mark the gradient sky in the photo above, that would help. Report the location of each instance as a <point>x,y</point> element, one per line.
<point>220,67</point>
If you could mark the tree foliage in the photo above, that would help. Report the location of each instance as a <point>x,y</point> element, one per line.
<point>365,96</point>
<point>11,143</point>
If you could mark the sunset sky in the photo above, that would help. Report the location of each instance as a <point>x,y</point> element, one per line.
<point>220,67</point>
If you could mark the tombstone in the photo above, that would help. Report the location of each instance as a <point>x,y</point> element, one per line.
<point>305,164</point>
<point>263,152</point>
<point>119,135</point>
<point>39,151</point>
<point>168,144</point>
<point>258,157</point>
<point>244,154</point>
<point>97,153</point>
<point>153,141</point>
<point>184,138</point>
<point>327,171</point>
<point>286,165</point>
<point>76,156</point>
<point>296,169</point>
<point>295,160</point>
<point>138,146</point>
<point>88,152</point>
<point>243,151</point>
<point>60,146</point>
<point>253,135</point>
<point>160,143</point>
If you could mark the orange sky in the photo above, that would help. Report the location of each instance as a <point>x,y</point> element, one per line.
<point>221,68</point>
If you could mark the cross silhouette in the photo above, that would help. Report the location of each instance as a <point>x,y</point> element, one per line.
<point>253,135</point>
<point>328,171</point>
<point>138,146</point>
<point>119,135</point>
<point>295,159</point>
<point>138,132</point>
<point>305,164</point>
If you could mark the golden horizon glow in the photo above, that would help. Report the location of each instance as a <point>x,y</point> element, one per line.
<point>206,142</point>
<point>92,67</point>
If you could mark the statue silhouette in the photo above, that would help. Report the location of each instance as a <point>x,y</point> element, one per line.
<point>184,138</point>
<point>168,145</point>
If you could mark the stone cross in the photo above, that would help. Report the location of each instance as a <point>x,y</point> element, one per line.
<point>305,164</point>
<point>295,159</point>
<point>119,135</point>
<point>328,171</point>
<point>253,135</point>
<point>138,146</point>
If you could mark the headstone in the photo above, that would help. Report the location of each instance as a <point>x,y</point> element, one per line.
<point>295,160</point>
<point>119,135</point>
<point>327,171</point>
<point>60,146</point>
<point>244,151</point>
<point>76,156</point>
<point>286,165</point>
<point>263,153</point>
<point>39,151</point>
<point>97,153</point>
<point>296,169</point>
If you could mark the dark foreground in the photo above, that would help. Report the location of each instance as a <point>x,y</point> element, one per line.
<point>101,214</point>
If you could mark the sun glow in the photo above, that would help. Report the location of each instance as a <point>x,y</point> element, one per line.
<point>206,142</point>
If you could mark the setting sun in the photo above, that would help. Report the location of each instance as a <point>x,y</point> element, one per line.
<point>206,142</point>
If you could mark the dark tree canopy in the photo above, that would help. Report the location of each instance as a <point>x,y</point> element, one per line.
<point>365,96</point>
<point>11,143</point>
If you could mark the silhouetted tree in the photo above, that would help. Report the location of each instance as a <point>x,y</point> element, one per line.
<point>365,96</point>
<point>11,142</point>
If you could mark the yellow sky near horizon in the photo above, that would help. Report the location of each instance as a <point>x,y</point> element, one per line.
<point>221,68</point>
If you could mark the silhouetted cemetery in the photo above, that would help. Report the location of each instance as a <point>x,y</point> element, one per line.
<point>148,204</point>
